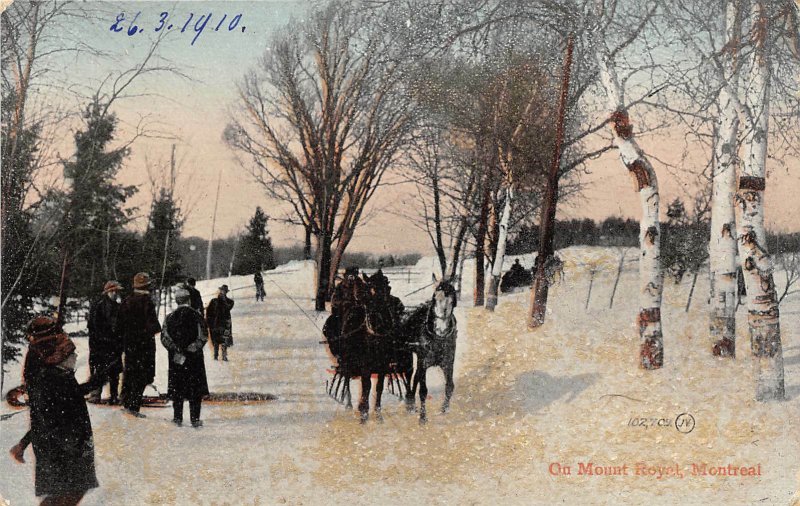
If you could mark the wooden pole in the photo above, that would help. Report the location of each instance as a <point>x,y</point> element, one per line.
<point>547,223</point>
<point>213,223</point>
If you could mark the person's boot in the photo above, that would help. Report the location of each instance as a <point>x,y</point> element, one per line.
<point>224,354</point>
<point>197,423</point>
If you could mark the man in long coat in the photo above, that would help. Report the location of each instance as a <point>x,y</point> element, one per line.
<point>105,345</point>
<point>138,324</point>
<point>184,335</point>
<point>218,318</point>
<point>61,432</point>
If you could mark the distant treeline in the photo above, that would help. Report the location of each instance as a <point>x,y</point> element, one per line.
<point>193,256</point>
<point>609,232</point>
<point>616,231</point>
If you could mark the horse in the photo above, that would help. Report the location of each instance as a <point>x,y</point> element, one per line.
<point>431,330</point>
<point>361,336</point>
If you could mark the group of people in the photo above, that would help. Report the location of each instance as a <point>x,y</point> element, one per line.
<point>61,432</point>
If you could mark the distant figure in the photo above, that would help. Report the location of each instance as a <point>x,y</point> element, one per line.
<point>218,318</point>
<point>184,334</point>
<point>105,344</point>
<point>61,432</point>
<point>517,276</point>
<point>196,302</point>
<point>259,281</point>
<point>138,324</point>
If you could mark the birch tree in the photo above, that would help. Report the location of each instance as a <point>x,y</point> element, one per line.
<point>722,247</point>
<point>651,276</point>
<point>762,303</point>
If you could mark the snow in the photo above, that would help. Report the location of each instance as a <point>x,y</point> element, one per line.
<point>524,400</point>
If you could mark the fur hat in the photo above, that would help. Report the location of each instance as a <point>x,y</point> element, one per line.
<point>111,286</point>
<point>182,295</point>
<point>48,341</point>
<point>141,281</point>
<point>191,281</point>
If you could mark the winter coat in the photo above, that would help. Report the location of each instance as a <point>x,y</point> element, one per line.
<point>138,325</point>
<point>61,432</point>
<point>105,344</point>
<point>196,300</point>
<point>258,279</point>
<point>218,318</point>
<point>184,335</point>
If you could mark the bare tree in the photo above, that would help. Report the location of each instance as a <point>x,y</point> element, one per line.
<point>324,116</point>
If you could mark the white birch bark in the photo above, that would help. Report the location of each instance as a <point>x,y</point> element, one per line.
<point>500,254</point>
<point>722,245</point>
<point>651,277</point>
<point>762,305</point>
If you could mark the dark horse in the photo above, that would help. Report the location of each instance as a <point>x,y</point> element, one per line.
<point>431,332</point>
<point>361,335</point>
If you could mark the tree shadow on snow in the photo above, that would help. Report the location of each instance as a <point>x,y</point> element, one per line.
<point>539,389</point>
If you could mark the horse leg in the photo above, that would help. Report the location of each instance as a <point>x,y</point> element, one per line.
<point>449,386</point>
<point>363,403</point>
<point>411,388</point>
<point>423,392</point>
<point>346,393</point>
<point>378,393</point>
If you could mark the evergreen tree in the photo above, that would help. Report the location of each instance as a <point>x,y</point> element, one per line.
<point>161,240</point>
<point>255,250</point>
<point>27,266</point>
<point>95,213</point>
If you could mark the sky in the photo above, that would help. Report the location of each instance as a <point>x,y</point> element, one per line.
<point>194,109</point>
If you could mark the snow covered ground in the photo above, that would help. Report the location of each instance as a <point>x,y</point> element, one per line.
<point>527,406</point>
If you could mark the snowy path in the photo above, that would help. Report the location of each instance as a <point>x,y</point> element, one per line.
<point>524,401</point>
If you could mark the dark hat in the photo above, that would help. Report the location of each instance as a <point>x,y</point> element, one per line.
<point>141,281</point>
<point>190,281</point>
<point>48,341</point>
<point>112,286</point>
<point>351,271</point>
<point>224,288</point>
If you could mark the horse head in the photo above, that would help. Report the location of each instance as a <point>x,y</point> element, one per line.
<point>444,299</point>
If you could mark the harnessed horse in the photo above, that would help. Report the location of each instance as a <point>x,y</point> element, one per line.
<point>431,331</point>
<point>361,336</point>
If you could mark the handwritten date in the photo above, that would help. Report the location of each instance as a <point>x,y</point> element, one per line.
<point>121,24</point>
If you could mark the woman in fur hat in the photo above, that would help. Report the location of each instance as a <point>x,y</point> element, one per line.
<point>184,335</point>
<point>61,432</point>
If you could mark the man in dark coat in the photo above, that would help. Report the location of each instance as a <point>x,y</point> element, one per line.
<point>196,301</point>
<point>184,335</point>
<point>105,345</point>
<point>218,318</point>
<point>259,281</point>
<point>61,432</point>
<point>138,325</point>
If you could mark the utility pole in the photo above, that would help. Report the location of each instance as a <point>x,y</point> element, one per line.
<point>213,223</point>
<point>547,222</point>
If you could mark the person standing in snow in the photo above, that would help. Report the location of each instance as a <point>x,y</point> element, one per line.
<point>196,300</point>
<point>105,345</point>
<point>138,325</point>
<point>218,318</point>
<point>61,431</point>
<point>259,281</point>
<point>184,335</point>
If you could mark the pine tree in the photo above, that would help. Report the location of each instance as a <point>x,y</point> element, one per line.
<point>95,213</point>
<point>161,253</point>
<point>255,250</point>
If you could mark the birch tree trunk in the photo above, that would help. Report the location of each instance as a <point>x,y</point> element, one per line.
<point>762,305</point>
<point>500,254</point>
<point>651,277</point>
<point>722,246</point>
